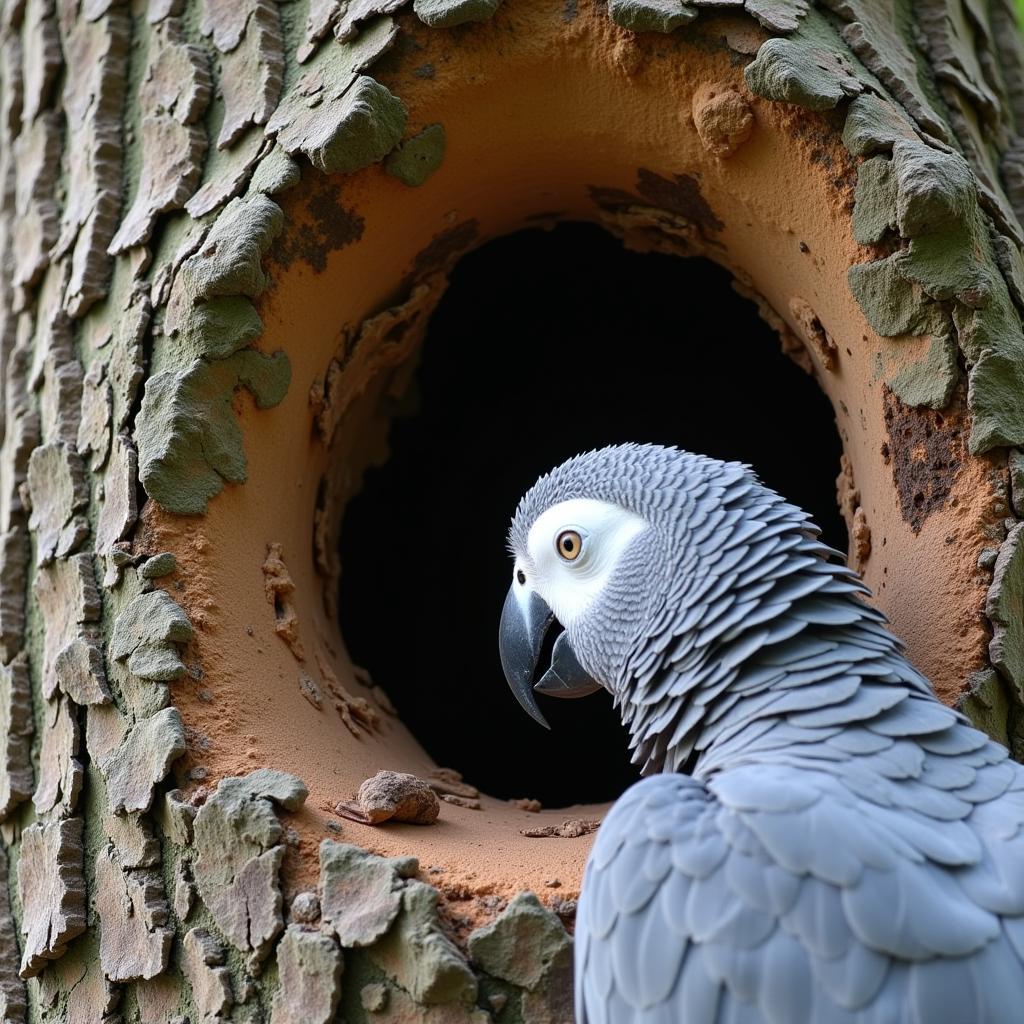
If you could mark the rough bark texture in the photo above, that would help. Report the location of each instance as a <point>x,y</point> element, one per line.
<point>139,245</point>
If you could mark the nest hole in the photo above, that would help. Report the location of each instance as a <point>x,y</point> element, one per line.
<point>545,344</point>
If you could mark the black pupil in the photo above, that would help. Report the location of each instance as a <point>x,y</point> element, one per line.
<point>567,544</point>
<point>521,576</point>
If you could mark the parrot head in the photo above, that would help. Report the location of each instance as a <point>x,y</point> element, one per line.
<point>669,574</point>
<point>589,562</point>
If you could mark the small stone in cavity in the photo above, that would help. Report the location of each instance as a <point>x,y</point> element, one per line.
<point>305,908</point>
<point>393,796</point>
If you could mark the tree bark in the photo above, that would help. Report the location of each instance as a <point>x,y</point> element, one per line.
<point>168,171</point>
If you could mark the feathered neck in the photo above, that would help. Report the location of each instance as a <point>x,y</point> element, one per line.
<point>751,624</point>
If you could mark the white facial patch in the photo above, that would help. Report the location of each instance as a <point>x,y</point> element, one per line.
<point>569,587</point>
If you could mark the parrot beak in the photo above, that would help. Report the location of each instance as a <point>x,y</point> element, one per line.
<point>525,621</point>
<point>566,677</point>
<point>524,624</point>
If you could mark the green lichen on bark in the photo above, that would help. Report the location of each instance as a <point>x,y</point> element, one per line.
<point>449,13</point>
<point>525,956</point>
<point>208,313</point>
<point>190,444</point>
<point>651,15</point>
<point>918,190</point>
<point>359,127</point>
<point>419,956</point>
<point>929,382</point>
<point>1005,610</point>
<point>148,634</point>
<point>416,159</point>
<point>519,945</point>
<point>813,69</point>
<point>186,431</point>
<point>339,119</point>
<point>989,706</point>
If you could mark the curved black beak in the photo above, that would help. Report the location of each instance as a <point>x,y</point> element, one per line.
<point>525,621</point>
<point>566,677</point>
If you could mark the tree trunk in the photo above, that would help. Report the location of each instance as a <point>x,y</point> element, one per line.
<point>224,227</point>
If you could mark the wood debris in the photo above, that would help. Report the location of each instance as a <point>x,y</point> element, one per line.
<point>571,828</point>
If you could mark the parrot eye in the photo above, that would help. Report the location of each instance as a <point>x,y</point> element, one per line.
<point>569,545</point>
<point>520,577</point>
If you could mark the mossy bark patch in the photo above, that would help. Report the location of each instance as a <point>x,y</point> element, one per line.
<point>989,706</point>
<point>651,15</point>
<point>189,441</point>
<point>927,194</point>
<point>1005,610</point>
<point>418,955</point>
<point>142,759</point>
<point>929,382</point>
<point>239,854</point>
<point>208,313</point>
<point>892,304</point>
<point>814,69</point>
<point>416,159</point>
<point>148,633</point>
<point>520,944</point>
<point>449,13</point>
<point>873,124</point>
<point>340,120</point>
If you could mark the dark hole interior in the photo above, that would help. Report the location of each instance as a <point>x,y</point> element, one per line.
<point>546,344</point>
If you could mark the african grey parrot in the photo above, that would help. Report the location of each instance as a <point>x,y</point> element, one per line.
<point>819,839</point>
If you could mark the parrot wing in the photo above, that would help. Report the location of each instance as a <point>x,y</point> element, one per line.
<point>772,895</point>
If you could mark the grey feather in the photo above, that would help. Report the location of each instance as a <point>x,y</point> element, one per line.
<point>845,848</point>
